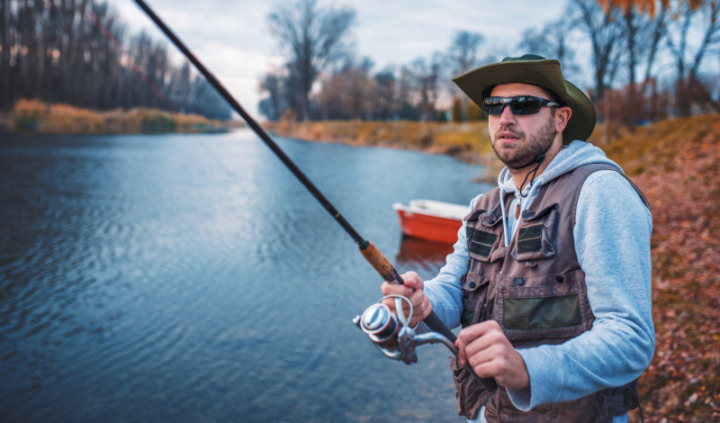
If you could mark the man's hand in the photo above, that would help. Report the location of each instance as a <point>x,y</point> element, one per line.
<point>413,290</point>
<point>490,354</point>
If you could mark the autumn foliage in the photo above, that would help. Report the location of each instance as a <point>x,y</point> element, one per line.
<point>647,6</point>
<point>676,163</point>
<point>459,139</point>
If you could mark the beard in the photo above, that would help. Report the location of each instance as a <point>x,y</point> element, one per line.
<point>524,153</point>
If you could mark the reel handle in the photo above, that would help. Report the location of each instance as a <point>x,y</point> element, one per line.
<point>383,266</point>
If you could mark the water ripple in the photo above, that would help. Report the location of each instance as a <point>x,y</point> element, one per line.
<point>141,279</point>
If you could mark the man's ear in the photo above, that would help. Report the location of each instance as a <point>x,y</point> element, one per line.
<point>562,117</point>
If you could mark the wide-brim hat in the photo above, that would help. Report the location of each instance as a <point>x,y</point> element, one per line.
<point>535,70</point>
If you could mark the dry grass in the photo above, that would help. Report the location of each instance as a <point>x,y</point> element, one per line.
<point>55,118</point>
<point>467,141</point>
<point>676,163</point>
<point>34,115</point>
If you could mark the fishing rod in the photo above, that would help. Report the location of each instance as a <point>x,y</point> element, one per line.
<point>371,253</point>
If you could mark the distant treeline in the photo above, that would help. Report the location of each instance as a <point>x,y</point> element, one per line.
<point>640,60</point>
<point>79,52</point>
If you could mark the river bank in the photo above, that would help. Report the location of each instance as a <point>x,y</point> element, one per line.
<point>40,117</point>
<point>676,163</point>
<point>466,141</point>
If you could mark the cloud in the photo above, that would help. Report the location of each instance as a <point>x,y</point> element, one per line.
<point>233,39</point>
<point>238,69</point>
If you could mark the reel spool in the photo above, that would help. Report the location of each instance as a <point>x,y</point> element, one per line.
<point>391,333</point>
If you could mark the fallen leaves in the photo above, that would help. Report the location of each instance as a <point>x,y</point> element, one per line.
<point>676,163</point>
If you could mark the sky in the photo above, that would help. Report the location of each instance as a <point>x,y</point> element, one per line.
<point>231,37</point>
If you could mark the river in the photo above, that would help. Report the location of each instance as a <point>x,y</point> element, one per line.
<point>192,278</point>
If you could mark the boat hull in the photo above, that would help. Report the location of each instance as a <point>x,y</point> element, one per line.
<point>429,227</point>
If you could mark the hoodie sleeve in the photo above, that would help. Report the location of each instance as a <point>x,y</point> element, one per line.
<point>444,291</point>
<point>612,241</point>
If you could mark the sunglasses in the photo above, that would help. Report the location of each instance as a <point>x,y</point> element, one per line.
<point>520,105</point>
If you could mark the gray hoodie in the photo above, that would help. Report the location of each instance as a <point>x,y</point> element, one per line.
<point>612,241</point>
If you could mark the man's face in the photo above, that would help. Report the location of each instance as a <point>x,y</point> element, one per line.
<point>519,139</point>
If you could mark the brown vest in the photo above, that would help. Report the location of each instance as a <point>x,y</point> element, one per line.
<point>535,289</point>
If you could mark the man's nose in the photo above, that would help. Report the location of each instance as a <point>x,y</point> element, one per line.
<point>507,115</point>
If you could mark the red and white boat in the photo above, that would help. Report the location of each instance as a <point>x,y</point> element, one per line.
<point>432,220</point>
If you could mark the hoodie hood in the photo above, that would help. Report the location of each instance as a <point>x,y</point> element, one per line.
<point>571,156</point>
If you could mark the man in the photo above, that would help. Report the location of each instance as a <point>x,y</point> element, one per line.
<point>550,276</point>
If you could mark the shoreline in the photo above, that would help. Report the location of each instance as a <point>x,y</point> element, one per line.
<point>33,116</point>
<point>465,141</point>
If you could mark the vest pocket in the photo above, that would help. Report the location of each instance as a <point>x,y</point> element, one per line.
<point>542,313</point>
<point>542,308</point>
<point>469,390</point>
<point>481,242</point>
<point>534,235</point>
<point>474,297</point>
<point>483,234</point>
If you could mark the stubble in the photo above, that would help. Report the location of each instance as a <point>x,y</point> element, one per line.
<point>525,152</point>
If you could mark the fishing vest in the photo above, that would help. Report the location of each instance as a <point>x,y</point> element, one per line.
<point>535,289</point>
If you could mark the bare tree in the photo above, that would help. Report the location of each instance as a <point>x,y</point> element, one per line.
<point>655,32</point>
<point>274,105</point>
<point>386,105</point>
<point>463,52</point>
<point>552,42</point>
<point>348,93</point>
<point>313,38</point>
<point>5,45</point>
<point>463,56</point>
<point>604,31</point>
<point>75,52</point>
<point>426,77</point>
<point>180,87</point>
<point>705,22</point>
<point>405,91</point>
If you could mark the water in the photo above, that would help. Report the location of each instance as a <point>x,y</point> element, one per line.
<point>192,278</point>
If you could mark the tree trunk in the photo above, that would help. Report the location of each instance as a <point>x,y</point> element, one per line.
<point>631,112</point>
<point>5,97</point>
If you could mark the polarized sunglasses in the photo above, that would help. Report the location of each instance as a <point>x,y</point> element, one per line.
<point>520,105</point>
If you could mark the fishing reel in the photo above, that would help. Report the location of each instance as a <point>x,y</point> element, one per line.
<point>391,333</point>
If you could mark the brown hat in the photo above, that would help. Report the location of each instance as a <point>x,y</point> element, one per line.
<point>534,70</point>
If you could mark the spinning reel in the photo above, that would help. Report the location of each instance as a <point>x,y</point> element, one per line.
<point>391,333</point>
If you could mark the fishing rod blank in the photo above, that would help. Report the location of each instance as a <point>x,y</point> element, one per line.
<point>371,253</point>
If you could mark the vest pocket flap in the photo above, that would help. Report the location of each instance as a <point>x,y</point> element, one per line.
<point>486,218</point>
<point>482,235</point>
<point>529,214</point>
<point>530,238</point>
<point>490,219</point>
<point>536,309</point>
<point>542,313</point>
<point>535,237</point>
<point>474,281</point>
<point>480,242</point>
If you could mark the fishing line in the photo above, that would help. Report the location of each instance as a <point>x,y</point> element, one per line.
<point>155,90</point>
<point>254,125</point>
<point>130,61</point>
<point>371,253</point>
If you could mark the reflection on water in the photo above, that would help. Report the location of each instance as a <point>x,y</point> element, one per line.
<point>415,252</point>
<point>191,278</point>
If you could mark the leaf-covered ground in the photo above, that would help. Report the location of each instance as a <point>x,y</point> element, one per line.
<point>676,163</point>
